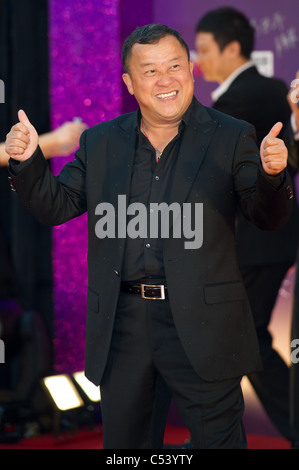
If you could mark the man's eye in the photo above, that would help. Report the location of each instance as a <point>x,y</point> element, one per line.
<point>150,72</point>
<point>176,66</point>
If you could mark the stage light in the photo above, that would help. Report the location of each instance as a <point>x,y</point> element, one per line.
<point>91,391</point>
<point>63,392</point>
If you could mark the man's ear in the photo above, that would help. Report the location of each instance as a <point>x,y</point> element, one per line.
<point>234,48</point>
<point>127,79</point>
<point>191,66</point>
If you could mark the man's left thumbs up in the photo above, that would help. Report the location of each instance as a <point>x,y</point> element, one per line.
<point>273,152</point>
<point>22,140</point>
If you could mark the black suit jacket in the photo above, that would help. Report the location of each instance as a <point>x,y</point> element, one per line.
<point>262,101</point>
<point>217,166</point>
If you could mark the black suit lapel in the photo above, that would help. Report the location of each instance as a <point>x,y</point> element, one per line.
<point>196,139</point>
<point>121,157</point>
<point>121,153</point>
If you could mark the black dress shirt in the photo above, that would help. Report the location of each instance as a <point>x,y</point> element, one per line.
<point>150,183</point>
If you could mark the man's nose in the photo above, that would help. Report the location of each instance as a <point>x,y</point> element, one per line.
<point>164,79</point>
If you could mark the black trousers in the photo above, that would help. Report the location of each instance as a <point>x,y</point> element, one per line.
<point>272,383</point>
<point>146,366</point>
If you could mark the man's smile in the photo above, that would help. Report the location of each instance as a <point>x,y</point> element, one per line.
<point>167,96</point>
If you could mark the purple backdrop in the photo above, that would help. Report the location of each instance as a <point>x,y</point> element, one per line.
<point>85,82</point>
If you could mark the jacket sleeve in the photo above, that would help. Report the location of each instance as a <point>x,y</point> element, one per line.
<point>264,200</point>
<point>53,200</point>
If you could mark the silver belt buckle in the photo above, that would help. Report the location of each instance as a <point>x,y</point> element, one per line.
<point>162,292</point>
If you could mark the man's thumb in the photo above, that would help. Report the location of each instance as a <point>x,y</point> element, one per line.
<point>23,118</point>
<point>275,129</point>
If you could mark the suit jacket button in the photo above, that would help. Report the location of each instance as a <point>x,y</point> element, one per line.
<point>289,191</point>
<point>116,272</point>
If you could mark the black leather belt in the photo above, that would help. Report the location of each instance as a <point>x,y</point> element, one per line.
<point>146,291</point>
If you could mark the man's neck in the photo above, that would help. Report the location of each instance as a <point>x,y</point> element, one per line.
<point>229,80</point>
<point>159,135</point>
<point>159,129</point>
<point>232,67</point>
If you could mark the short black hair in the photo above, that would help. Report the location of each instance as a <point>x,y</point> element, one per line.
<point>228,24</point>
<point>149,34</point>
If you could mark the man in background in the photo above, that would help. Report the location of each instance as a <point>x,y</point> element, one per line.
<point>224,42</point>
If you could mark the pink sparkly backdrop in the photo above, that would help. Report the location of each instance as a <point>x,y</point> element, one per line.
<point>85,81</point>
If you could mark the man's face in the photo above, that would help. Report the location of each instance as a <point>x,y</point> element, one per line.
<point>160,77</point>
<point>213,62</point>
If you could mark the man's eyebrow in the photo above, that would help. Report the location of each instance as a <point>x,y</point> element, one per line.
<point>175,58</point>
<point>147,64</point>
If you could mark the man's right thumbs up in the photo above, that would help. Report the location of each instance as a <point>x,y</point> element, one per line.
<point>22,140</point>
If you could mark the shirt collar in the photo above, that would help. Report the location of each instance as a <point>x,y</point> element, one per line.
<point>229,80</point>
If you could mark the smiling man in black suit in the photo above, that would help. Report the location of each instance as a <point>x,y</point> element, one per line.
<point>159,313</point>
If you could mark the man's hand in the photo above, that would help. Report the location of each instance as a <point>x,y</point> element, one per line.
<point>65,139</point>
<point>274,154</point>
<point>22,140</point>
<point>293,99</point>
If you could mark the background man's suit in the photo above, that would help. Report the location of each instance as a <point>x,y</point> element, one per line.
<point>265,257</point>
<point>217,165</point>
